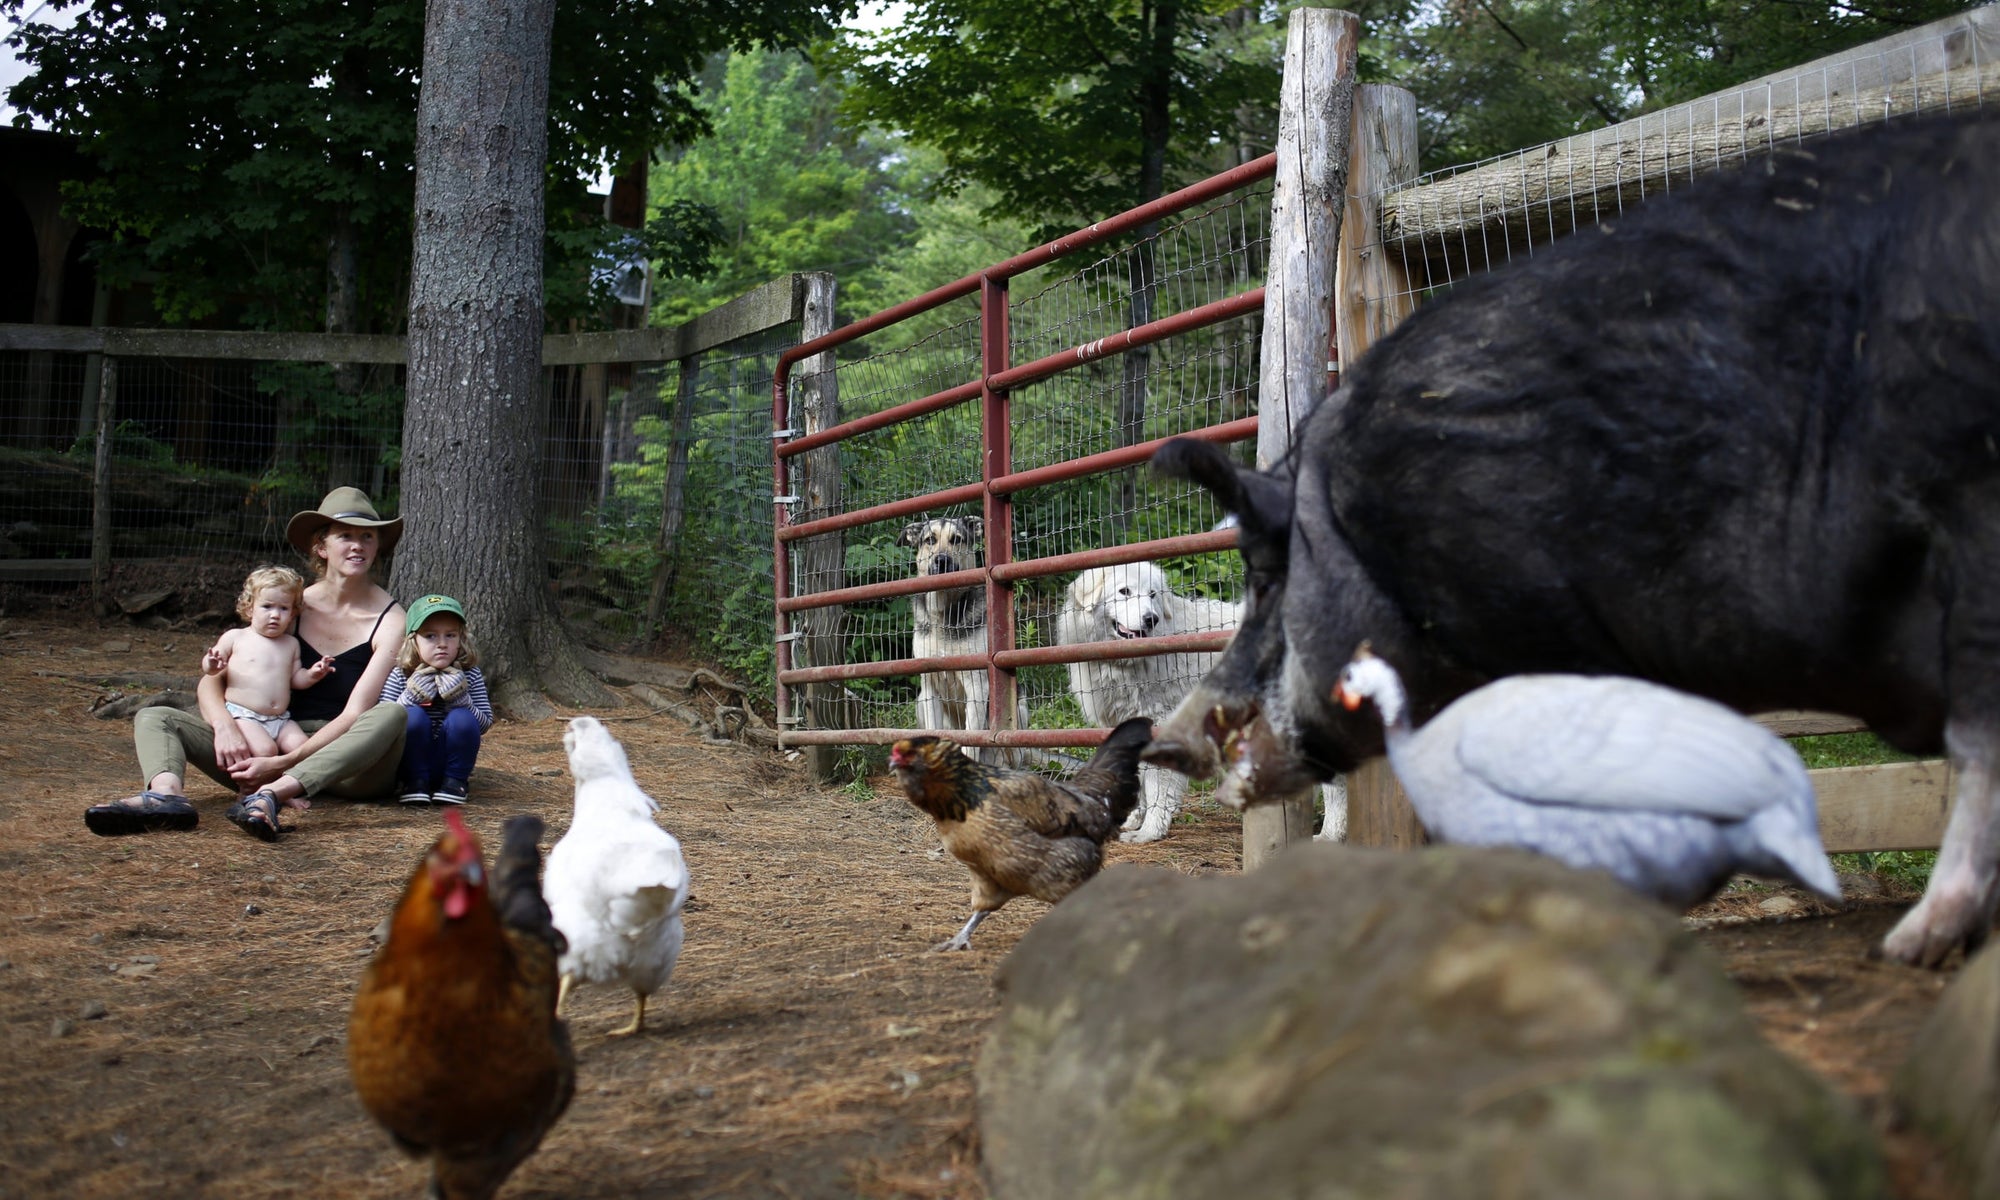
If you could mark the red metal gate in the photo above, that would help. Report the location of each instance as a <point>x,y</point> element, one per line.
<point>998,484</point>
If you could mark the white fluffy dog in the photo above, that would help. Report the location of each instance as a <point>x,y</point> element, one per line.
<point>1135,600</point>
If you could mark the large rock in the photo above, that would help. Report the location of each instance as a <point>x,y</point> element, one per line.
<point>1950,1087</point>
<point>1369,1024</point>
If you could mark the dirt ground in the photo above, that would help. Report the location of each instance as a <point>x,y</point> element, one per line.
<point>175,1006</point>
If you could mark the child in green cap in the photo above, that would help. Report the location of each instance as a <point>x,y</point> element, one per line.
<point>437,678</point>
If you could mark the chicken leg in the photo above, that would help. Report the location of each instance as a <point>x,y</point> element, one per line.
<point>962,940</point>
<point>638,1016</point>
<point>562,992</point>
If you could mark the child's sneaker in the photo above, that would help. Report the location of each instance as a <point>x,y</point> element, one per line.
<point>451,791</point>
<point>412,794</point>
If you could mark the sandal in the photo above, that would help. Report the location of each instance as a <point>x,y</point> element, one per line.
<point>257,815</point>
<point>144,813</point>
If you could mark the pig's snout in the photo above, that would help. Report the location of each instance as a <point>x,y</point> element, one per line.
<point>1197,737</point>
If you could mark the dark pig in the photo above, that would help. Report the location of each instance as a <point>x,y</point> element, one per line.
<point>1743,441</point>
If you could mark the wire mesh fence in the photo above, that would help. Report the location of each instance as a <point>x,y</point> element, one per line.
<point>655,491</point>
<point>918,382</point>
<point>208,457</point>
<point>658,503</point>
<point>1467,219</point>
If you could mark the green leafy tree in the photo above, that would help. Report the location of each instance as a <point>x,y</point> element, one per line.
<point>789,186</point>
<point>1066,111</point>
<point>256,155</point>
<point>1492,76</point>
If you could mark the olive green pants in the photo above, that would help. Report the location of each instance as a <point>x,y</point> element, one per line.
<point>358,765</point>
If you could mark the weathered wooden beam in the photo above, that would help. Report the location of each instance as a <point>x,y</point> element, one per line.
<point>1478,218</point>
<point>1890,806</point>
<point>1371,296</point>
<point>1315,114</point>
<point>44,570</point>
<point>776,303</point>
<point>205,343</point>
<point>1893,806</point>
<point>1372,293</point>
<point>1808,724</point>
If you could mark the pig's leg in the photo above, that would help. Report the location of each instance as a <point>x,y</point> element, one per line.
<point>1957,908</point>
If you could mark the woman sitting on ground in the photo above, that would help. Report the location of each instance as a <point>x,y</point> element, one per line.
<point>355,743</point>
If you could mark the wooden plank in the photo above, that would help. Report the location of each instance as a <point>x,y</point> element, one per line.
<point>1793,723</point>
<point>776,303</point>
<point>1450,225</point>
<point>1371,296</point>
<point>1371,291</point>
<point>44,570</point>
<point>205,343</point>
<point>1315,116</point>
<point>1378,810</point>
<point>1894,806</point>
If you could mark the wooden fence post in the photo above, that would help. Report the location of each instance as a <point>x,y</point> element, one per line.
<point>1374,294</point>
<point>820,562</point>
<point>100,485</point>
<point>1314,118</point>
<point>93,364</point>
<point>673,492</point>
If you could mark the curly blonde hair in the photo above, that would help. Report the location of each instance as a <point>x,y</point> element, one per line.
<point>467,656</point>
<point>265,578</point>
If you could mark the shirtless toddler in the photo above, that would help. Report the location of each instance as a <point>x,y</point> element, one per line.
<point>260,662</point>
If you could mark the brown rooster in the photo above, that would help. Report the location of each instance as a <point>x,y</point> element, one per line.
<point>1022,834</point>
<point>453,1042</point>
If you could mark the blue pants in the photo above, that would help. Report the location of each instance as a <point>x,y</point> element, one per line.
<point>434,751</point>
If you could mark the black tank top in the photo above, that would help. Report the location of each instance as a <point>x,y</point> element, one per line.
<point>324,700</point>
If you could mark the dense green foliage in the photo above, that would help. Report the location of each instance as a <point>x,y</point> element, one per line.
<point>792,188</point>
<point>1492,76</point>
<point>1063,110</point>
<point>1070,110</point>
<point>237,140</point>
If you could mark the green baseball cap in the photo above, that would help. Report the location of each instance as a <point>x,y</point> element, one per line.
<point>428,607</point>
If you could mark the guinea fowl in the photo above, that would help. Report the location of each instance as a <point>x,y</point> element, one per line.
<point>1669,793</point>
<point>1022,834</point>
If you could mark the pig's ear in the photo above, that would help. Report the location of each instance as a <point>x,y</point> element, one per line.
<point>1261,502</point>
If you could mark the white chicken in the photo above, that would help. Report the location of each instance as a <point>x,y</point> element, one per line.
<point>616,881</point>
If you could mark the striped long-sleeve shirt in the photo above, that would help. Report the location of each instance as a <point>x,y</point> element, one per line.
<point>395,692</point>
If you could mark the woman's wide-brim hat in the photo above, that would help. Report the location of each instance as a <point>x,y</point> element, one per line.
<point>345,506</point>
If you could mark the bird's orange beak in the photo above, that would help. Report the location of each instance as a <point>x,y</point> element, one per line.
<point>1348,700</point>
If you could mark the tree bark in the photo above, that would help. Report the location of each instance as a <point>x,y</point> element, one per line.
<point>1307,197</point>
<point>476,414</point>
<point>1155,132</point>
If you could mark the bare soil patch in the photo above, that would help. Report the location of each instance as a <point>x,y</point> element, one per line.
<point>175,1006</point>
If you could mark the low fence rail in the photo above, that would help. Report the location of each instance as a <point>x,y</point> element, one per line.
<point>151,460</point>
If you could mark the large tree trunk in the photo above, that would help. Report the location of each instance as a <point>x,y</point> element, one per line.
<point>476,414</point>
<point>1156,128</point>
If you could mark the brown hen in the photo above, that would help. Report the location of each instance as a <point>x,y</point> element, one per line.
<point>453,1041</point>
<point>1022,834</point>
